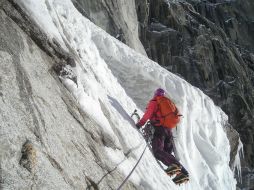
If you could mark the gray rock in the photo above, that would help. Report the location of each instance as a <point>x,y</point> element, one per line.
<point>118,18</point>
<point>46,141</point>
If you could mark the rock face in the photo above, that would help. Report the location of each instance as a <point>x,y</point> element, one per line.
<point>43,131</point>
<point>118,18</point>
<point>236,18</point>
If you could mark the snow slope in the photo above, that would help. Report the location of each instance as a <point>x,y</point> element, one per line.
<point>113,80</point>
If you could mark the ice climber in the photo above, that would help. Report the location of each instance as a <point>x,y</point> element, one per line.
<point>164,115</point>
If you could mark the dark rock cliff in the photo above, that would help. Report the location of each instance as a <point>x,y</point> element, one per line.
<point>236,18</point>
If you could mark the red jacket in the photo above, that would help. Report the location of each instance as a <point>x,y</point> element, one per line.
<point>152,113</point>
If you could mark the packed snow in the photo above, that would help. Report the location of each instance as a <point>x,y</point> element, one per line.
<point>113,80</point>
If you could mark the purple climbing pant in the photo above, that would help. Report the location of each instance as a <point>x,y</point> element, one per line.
<point>162,146</point>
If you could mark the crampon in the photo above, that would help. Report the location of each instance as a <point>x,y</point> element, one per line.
<point>173,170</point>
<point>181,179</point>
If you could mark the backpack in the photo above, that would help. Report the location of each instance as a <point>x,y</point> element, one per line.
<point>169,116</point>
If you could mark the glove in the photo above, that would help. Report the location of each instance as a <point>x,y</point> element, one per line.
<point>138,125</point>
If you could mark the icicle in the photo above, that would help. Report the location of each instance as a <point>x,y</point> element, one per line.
<point>237,162</point>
